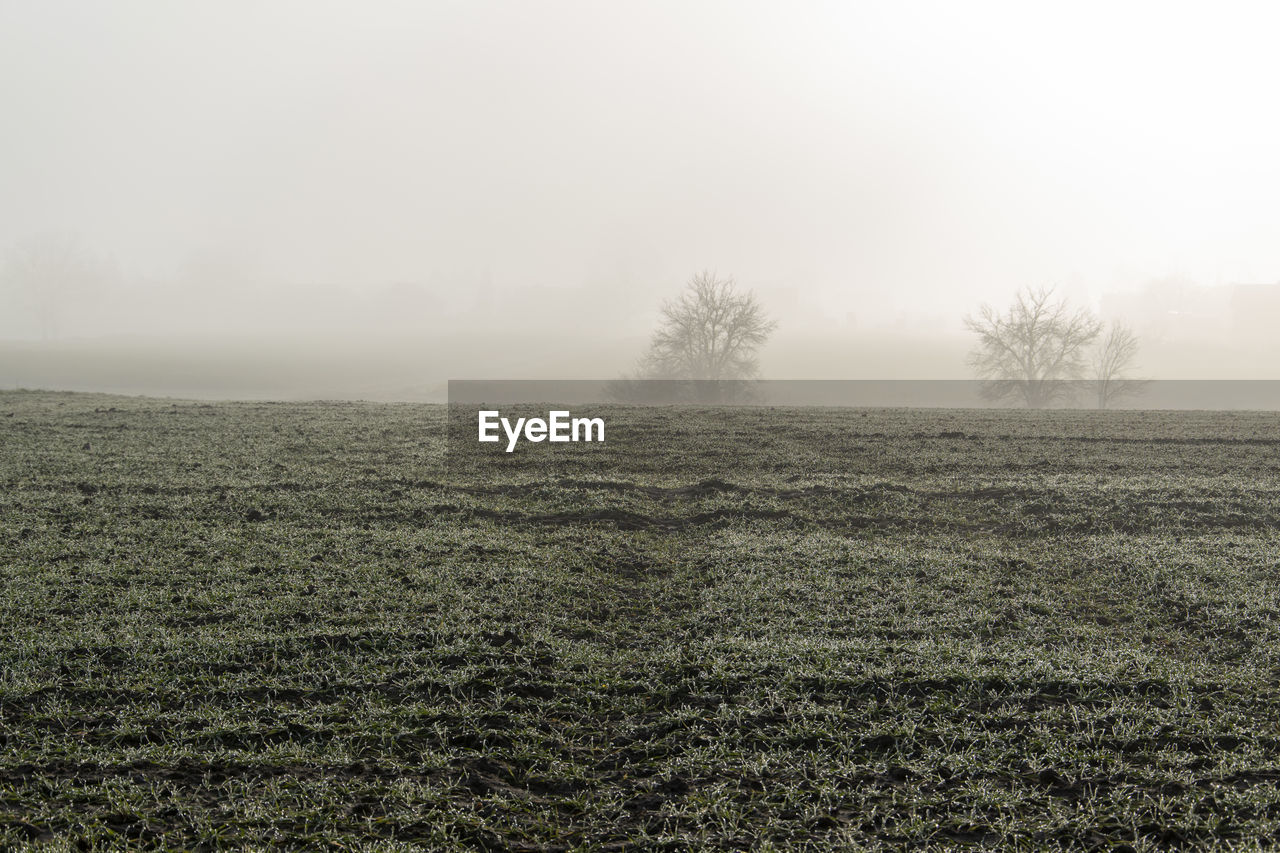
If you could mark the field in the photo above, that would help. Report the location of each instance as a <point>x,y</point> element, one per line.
<point>290,625</point>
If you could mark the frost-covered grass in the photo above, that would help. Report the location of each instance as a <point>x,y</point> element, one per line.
<point>265,625</point>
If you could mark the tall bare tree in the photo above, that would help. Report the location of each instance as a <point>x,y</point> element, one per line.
<point>1029,352</point>
<point>712,332</point>
<point>1116,356</point>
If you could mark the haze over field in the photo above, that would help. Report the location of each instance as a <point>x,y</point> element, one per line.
<point>308,199</point>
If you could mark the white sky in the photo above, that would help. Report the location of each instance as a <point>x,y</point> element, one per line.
<point>882,156</point>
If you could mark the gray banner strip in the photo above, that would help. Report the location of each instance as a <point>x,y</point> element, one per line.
<point>1245,395</point>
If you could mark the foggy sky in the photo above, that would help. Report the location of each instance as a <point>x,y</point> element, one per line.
<point>887,160</point>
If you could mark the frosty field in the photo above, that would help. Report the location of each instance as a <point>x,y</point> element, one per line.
<point>290,625</point>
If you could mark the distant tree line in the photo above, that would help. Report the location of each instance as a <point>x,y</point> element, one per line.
<point>1039,352</point>
<point>46,273</point>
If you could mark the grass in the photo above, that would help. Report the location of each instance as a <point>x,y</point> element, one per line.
<point>289,625</point>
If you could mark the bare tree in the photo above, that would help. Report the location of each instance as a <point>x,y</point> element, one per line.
<point>711,333</point>
<point>1116,355</point>
<point>1030,351</point>
<point>46,271</point>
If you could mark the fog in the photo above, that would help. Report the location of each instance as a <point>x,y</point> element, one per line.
<point>299,199</point>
